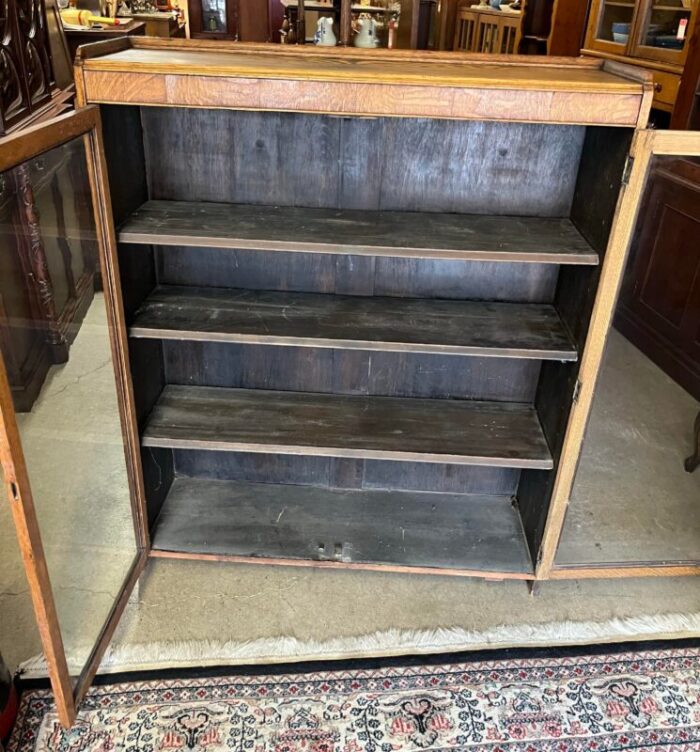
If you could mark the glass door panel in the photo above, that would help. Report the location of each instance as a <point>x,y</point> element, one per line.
<point>615,21</point>
<point>214,16</point>
<point>665,29</point>
<point>61,438</point>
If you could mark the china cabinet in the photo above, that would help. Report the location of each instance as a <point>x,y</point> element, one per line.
<point>651,33</point>
<point>332,356</point>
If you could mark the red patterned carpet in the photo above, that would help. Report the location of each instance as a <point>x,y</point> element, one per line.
<point>627,701</point>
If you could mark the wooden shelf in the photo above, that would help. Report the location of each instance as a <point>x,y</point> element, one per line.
<point>388,529</point>
<point>416,430</point>
<point>402,234</point>
<point>389,324</point>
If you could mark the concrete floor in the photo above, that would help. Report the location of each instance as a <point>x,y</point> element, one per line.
<point>632,501</point>
<point>73,446</point>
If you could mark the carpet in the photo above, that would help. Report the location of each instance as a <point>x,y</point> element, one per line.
<point>625,701</point>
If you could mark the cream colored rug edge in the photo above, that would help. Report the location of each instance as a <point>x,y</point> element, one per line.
<point>156,655</point>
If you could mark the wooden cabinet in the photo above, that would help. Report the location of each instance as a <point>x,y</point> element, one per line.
<point>27,79</point>
<point>660,302</point>
<point>650,33</point>
<point>485,30</point>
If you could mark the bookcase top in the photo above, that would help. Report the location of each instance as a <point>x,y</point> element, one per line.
<point>347,81</point>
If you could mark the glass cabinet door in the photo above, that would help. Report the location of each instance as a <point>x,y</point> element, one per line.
<point>214,16</point>
<point>664,30</point>
<point>68,444</point>
<point>615,22</point>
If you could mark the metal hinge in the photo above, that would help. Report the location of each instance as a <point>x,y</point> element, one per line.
<point>629,164</point>
<point>577,390</point>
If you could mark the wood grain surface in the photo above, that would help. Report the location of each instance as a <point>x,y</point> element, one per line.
<point>381,527</point>
<point>352,322</point>
<point>241,61</point>
<point>406,234</point>
<point>452,431</point>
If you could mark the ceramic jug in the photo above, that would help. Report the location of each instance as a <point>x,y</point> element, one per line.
<point>324,36</point>
<point>367,33</point>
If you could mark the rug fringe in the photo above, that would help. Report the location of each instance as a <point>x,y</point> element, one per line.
<point>123,657</point>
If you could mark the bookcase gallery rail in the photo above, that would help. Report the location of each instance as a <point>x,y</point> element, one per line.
<point>358,299</point>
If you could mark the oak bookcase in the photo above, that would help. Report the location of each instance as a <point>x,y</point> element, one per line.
<point>358,290</point>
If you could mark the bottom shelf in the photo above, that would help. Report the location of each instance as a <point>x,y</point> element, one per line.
<point>391,529</point>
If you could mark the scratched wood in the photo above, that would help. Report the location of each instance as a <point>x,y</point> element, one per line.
<point>484,238</point>
<point>452,431</point>
<point>302,522</point>
<point>352,322</point>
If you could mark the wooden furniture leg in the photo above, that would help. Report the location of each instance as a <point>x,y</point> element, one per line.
<point>693,461</point>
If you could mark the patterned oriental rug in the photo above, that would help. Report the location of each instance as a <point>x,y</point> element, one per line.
<point>624,701</point>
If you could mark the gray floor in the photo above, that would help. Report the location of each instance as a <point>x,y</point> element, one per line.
<point>632,502</point>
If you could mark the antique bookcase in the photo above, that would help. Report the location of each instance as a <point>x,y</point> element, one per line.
<point>358,302</point>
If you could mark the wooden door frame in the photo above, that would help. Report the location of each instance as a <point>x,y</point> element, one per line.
<point>647,144</point>
<point>15,150</point>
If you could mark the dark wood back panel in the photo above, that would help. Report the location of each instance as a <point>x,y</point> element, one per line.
<point>308,369</point>
<point>381,163</point>
<point>124,152</point>
<point>345,473</point>
<point>357,275</point>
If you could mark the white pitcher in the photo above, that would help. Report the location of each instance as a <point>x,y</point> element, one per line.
<point>324,36</point>
<point>367,33</point>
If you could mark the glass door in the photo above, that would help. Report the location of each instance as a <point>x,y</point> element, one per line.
<point>613,25</point>
<point>68,442</point>
<point>665,29</point>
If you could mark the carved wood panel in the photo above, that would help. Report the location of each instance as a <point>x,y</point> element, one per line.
<point>26,77</point>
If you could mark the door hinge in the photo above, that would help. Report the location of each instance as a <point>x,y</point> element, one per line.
<point>629,164</point>
<point>577,390</point>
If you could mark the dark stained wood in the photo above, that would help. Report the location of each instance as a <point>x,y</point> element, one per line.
<point>254,467</point>
<point>305,369</point>
<point>417,165</point>
<point>380,527</point>
<point>124,151</point>
<point>356,275</point>
<point>452,431</point>
<point>408,234</point>
<point>359,323</point>
<point>659,307</point>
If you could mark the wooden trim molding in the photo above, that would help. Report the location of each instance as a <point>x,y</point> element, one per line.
<point>31,142</point>
<point>97,170</point>
<point>344,81</point>
<point>515,105</point>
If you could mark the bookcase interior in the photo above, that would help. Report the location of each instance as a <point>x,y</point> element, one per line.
<point>353,340</point>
